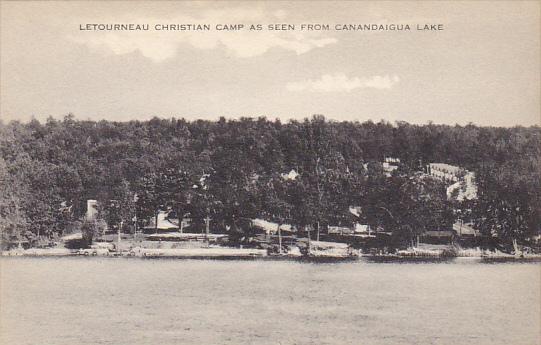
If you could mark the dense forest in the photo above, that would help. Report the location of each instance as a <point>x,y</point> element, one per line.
<point>232,170</point>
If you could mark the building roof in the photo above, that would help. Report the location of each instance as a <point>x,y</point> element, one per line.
<point>271,227</point>
<point>292,175</point>
<point>163,222</point>
<point>464,229</point>
<point>452,169</point>
<point>439,233</point>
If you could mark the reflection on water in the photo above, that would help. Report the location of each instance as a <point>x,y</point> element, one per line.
<point>122,301</point>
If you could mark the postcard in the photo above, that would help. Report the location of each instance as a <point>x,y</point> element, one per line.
<point>270,172</point>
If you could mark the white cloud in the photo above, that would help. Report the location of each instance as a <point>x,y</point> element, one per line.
<point>162,45</point>
<point>339,82</point>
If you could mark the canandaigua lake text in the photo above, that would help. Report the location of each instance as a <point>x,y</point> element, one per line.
<point>259,27</point>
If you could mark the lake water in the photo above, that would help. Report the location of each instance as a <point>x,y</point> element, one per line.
<point>136,301</point>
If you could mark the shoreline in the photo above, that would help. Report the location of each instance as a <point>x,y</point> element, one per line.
<point>227,254</point>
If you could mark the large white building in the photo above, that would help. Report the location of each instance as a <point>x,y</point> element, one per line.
<point>444,171</point>
<point>462,187</point>
<point>389,165</point>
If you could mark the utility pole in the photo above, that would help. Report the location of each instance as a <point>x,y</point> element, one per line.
<point>135,198</point>
<point>118,239</point>
<point>156,220</point>
<point>179,214</point>
<point>135,228</point>
<point>308,230</point>
<point>207,228</point>
<point>279,240</point>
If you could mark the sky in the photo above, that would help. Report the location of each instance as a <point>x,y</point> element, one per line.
<point>483,67</point>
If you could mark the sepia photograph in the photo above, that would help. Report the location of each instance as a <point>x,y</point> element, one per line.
<point>270,172</point>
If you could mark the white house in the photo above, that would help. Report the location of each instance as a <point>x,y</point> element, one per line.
<point>91,209</point>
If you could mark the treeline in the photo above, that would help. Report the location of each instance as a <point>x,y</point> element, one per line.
<point>232,170</point>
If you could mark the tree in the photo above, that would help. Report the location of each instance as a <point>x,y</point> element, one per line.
<point>13,220</point>
<point>275,202</point>
<point>413,205</point>
<point>54,167</point>
<point>91,229</point>
<point>508,204</point>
